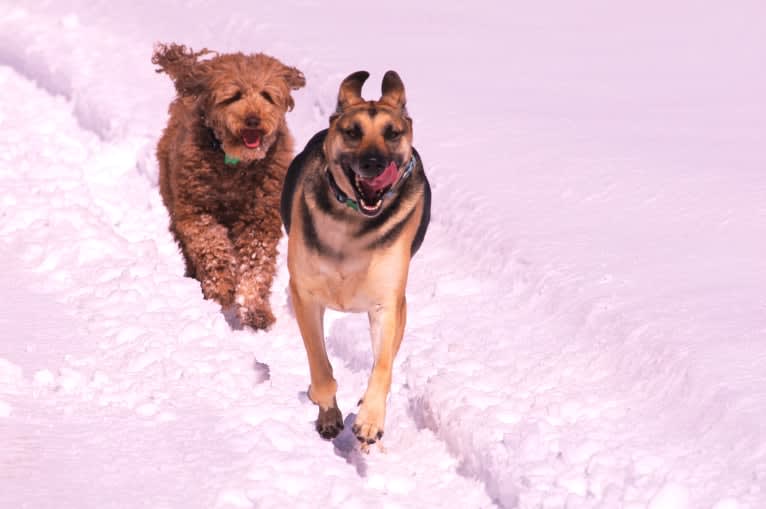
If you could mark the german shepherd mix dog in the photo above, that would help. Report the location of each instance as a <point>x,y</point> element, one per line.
<point>356,204</point>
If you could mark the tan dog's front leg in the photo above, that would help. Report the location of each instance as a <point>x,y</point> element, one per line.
<point>386,329</point>
<point>310,315</point>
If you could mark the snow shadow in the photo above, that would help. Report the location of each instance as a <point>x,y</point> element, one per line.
<point>347,447</point>
<point>262,371</point>
<point>500,486</point>
<point>230,314</point>
<point>349,339</point>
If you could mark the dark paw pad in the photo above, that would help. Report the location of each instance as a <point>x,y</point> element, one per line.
<point>329,423</point>
<point>364,439</point>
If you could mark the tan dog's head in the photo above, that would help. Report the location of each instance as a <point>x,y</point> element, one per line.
<point>243,98</point>
<point>369,143</point>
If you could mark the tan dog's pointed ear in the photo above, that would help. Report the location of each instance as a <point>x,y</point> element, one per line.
<point>180,63</point>
<point>350,92</point>
<point>393,90</point>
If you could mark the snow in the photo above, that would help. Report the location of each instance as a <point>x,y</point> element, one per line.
<point>670,496</point>
<point>587,314</point>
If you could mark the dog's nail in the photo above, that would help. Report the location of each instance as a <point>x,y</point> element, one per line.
<point>361,400</point>
<point>361,439</point>
<point>370,441</point>
<point>380,435</point>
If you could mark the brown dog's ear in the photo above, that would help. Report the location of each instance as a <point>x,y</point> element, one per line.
<point>350,92</point>
<point>180,63</point>
<point>294,78</point>
<point>393,90</point>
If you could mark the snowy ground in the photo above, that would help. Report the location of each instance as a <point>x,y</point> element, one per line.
<point>587,321</point>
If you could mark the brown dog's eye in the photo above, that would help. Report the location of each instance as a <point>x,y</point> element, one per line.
<point>234,98</point>
<point>391,134</point>
<point>267,96</point>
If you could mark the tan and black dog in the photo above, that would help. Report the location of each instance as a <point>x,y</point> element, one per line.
<point>356,205</point>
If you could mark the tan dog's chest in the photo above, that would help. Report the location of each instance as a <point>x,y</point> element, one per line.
<point>351,278</point>
<point>336,287</point>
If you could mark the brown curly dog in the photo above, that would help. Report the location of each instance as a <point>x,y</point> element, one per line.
<point>223,158</point>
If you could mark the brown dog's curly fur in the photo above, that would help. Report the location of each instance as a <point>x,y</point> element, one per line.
<point>225,217</point>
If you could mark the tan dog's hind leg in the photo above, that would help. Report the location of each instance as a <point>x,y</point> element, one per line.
<point>386,329</point>
<point>310,315</point>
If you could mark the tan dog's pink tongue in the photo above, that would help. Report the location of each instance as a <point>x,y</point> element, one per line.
<point>385,179</point>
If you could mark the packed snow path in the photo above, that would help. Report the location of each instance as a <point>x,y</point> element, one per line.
<point>587,324</point>
<point>156,394</point>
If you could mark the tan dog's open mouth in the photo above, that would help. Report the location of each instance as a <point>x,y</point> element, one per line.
<point>371,191</point>
<point>251,137</point>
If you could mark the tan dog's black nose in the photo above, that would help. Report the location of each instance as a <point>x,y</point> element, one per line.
<point>372,165</point>
<point>252,122</point>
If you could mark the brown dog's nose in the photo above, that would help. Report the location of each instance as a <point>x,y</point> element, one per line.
<point>252,122</point>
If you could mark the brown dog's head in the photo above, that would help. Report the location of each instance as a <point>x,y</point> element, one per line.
<point>369,143</point>
<point>242,98</point>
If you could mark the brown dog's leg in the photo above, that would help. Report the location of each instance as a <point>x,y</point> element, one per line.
<point>256,248</point>
<point>386,328</point>
<point>208,249</point>
<point>309,315</point>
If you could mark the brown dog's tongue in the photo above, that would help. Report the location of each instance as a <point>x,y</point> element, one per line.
<point>385,179</point>
<point>251,137</point>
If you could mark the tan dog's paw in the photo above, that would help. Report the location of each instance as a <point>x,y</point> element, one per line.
<point>368,426</point>
<point>329,422</point>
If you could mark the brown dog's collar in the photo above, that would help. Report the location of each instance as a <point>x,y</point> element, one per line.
<point>217,146</point>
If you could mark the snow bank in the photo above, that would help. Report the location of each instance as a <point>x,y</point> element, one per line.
<point>587,314</point>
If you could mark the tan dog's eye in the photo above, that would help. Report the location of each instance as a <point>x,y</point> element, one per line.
<point>392,134</point>
<point>232,99</point>
<point>267,96</point>
<point>352,133</point>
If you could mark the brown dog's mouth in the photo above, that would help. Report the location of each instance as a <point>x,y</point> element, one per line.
<point>251,137</point>
<point>371,191</point>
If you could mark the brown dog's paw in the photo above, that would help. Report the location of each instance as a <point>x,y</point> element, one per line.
<point>329,423</point>
<point>219,286</point>
<point>256,318</point>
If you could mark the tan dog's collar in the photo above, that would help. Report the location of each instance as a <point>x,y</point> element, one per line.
<point>353,204</point>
